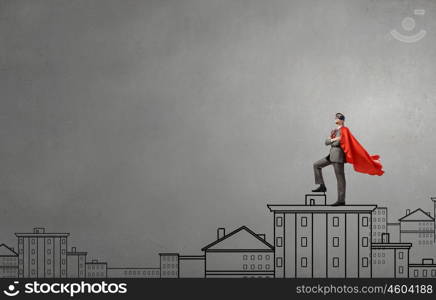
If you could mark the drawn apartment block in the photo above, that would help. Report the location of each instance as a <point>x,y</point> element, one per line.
<point>8,262</point>
<point>316,240</point>
<point>390,259</point>
<point>379,223</point>
<point>76,263</point>
<point>241,253</point>
<point>169,265</point>
<point>192,266</point>
<point>417,227</point>
<point>134,272</point>
<point>427,268</point>
<point>96,269</point>
<point>41,254</point>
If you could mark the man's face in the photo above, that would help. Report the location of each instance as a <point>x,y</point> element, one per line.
<point>338,121</point>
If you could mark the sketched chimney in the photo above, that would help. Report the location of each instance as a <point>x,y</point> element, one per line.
<point>407,211</point>
<point>221,232</point>
<point>261,235</point>
<point>38,230</point>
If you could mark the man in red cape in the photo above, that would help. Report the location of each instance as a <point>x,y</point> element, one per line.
<point>344,148</point>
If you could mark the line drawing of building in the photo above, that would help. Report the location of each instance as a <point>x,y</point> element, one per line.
<point>8,262</point>
<point>427,268</point>
<point>322,241</point>
<point>310,240</point>
<point>41,254</point>
<point>169,265</point>
<point>133,272</point>
<point>417,227</point>
<point>76,263</point>
<point>240,253</point>
<point>96,269</point>
<point>379,223</point>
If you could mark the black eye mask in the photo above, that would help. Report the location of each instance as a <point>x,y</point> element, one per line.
<point>340,117</point>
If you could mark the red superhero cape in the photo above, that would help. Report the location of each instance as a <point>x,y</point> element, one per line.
<point>358,156</point>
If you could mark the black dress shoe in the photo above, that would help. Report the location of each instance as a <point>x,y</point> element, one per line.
<point>321,188</point>
<point>338,203</point>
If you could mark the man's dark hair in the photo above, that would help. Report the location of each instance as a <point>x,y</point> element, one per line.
<point>340,116</point>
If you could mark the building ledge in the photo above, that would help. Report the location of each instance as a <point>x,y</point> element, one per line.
<point>321,208</point>
<point>391,245</point>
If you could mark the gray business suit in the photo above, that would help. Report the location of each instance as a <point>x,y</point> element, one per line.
<point>337,159</point>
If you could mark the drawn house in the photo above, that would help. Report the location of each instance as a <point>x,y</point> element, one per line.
<point>241,253</point>
<point>417,227</point>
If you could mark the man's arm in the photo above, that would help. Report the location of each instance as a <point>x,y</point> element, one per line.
<point>328,141</point>
<point>336,141</point>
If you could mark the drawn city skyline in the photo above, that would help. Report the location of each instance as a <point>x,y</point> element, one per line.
<point>310,240</point>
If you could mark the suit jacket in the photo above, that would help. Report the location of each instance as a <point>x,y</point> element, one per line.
<point>336,152</point>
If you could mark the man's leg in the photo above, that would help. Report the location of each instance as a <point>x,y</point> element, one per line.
<point>317,169</point>
<point>340,177</point>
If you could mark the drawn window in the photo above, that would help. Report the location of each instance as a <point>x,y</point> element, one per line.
<point>401,270</point>
<point>365,241</point>
<point>252,257</point>
<point>365,221</point>
<point>245,257</point>
<point>335,262</point>
<point>304,241</point>
<point>33,241</point>
<point>304,262</point>
<point>278,262</point>
<point>245,266</point>
<point>365,262</point>
<point>259,257</point>
<point>259,267</point>
<point>335,221</point>
<point>267,267</point>
<point>335,241</point>
<point>267,257</point>
<point>416,273</point>
<point>400,255</point>
<point>433,273</point>
<point>279,221</point>
<point>303,221</point>
<point>252,266</point>
<point>279,241</point>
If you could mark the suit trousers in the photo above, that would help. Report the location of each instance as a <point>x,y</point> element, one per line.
<point>339,172</point>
